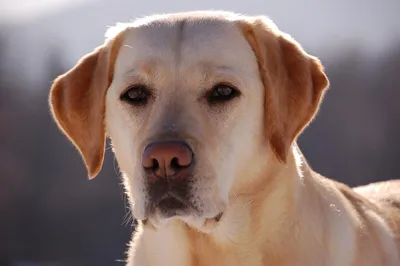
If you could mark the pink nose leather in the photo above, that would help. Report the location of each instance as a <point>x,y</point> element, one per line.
<point>166,159</point>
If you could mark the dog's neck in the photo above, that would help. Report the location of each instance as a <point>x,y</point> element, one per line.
<point>278,193</point>
<point>278,224</point>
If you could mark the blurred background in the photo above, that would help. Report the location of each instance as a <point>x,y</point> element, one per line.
<point>50,214</point>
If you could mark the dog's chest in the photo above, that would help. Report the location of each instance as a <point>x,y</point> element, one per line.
<point>165,247</point>
<point>179,247</point>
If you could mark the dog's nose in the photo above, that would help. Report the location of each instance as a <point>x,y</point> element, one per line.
<point>166,159</point>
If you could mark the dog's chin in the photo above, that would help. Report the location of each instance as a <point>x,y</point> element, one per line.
<point>203,223</point>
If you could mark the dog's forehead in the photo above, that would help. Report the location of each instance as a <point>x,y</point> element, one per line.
<point>185,41</point>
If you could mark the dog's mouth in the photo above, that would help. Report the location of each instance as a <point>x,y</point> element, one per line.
<point>171,205</point>
<point>175,203</point>
<point>218,217</point>
<point>208,223</point>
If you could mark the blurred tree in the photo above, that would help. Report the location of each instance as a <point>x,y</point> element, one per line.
<point>353,140</point>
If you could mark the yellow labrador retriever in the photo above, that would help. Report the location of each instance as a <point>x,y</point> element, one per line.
<point>203,110</point>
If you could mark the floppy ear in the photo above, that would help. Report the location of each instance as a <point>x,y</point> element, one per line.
<point>77,103</point>
<point>294,82</point>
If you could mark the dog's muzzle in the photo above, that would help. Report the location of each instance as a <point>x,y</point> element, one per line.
<point>168,167</point>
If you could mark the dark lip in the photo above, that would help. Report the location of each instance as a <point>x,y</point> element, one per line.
<point>171,205</point>
<point>218,217</point>
<point>170,197</point>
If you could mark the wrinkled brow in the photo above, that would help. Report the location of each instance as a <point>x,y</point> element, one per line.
<point>143,67</point>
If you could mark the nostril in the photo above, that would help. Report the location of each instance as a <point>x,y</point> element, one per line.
<point>181,161</point>
<point>175,163</point>
<point>155,165</point>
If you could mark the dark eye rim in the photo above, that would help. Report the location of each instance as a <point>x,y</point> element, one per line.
<point>125,97</point>
<point>211,99</point>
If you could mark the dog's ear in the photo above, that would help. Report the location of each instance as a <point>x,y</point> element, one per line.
<point>77,103</point>
<point>294,82</point>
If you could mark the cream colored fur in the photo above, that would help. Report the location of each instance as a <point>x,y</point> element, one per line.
<point>276,210</point>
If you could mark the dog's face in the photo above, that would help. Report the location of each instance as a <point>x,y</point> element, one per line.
<point>184,115</point>
<point>193,104</point>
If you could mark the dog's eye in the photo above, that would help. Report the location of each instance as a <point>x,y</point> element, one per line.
<point>136,95</point>
<point>222,93</point>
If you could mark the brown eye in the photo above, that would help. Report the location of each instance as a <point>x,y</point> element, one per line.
<point>136,95</point>
<point>222,93</point>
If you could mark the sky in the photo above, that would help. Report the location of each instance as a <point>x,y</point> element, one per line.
<point>17,10</point>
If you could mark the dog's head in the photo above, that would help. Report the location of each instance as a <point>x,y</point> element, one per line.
<point>193,103</point>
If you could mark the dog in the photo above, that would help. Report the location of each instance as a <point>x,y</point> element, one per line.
<point>203,110</point>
